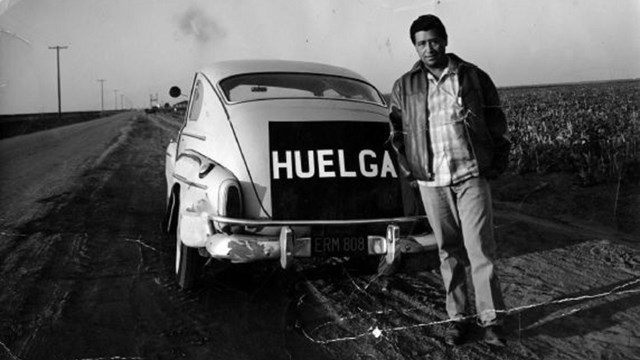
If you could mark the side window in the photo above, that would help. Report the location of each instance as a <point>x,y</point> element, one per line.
<point>196,102</point>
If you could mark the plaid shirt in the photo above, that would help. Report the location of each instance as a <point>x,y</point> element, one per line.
<point>482,122</point>
<point>453,158</point>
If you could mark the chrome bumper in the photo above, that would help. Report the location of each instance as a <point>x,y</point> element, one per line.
<point>242,248</point>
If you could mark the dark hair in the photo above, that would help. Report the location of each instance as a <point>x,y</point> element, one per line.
<point>426,23</point>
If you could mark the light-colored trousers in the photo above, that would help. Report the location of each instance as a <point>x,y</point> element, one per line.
<point>461,216</point>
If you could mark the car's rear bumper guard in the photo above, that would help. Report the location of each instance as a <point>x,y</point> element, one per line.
<point>285,246</point>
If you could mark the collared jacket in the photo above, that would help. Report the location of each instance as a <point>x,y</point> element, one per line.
<point>484,120</point>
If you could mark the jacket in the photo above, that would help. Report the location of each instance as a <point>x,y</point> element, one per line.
<point>484,120</point>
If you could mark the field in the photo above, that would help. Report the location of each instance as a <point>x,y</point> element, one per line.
<point>576,152</point>
<point>20,124</point>
<point>591,130</point>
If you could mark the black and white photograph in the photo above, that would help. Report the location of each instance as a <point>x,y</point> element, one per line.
<point>319,180</point>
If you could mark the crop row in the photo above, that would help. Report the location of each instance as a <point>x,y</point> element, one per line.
<point>592,130</point>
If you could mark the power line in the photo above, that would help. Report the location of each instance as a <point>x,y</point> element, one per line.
<point>58,48</point>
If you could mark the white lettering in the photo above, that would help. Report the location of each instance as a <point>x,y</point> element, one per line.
<point>387,166</point>
<point>343,170</point>
<point>373,170</point>
<point>312,166</point>
<point>277,165</point>
<point>323,163</point>
<point>328,163</point>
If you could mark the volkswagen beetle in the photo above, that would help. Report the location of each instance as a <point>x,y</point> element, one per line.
<point>280,160</point>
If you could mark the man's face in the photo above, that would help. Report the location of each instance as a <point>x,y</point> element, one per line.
<point>431,48</point>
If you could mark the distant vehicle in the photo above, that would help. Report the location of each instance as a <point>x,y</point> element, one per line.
<point>180,107</point>
<point>278,160</point>
<point>152,109</point>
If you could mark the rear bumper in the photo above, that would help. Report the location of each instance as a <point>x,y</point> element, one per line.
<point>286,246</point>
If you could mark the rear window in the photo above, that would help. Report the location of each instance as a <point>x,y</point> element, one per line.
<point>259,86</point>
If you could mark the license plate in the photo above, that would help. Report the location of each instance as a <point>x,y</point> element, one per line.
<point>338,245</point>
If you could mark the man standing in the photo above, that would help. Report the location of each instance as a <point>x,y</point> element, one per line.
<point>448,131</point>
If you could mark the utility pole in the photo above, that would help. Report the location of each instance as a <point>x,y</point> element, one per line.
<point>115,95</point>
<point>102,94</point>
<point>58,48</point>
<point>122,101</point>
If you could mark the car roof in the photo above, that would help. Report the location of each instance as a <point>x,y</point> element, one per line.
<point>224,69</point>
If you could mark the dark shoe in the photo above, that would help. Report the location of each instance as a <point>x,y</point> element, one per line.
<point>455,333</point>
<point>494,336</point>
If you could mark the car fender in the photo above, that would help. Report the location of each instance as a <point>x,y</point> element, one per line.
<point>169,167</point>
<point>204,185</point>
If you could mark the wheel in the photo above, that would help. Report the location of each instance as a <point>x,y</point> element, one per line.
<point>189,263</point>
<point>169,222</point>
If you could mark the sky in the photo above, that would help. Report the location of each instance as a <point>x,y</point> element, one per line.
<point>140,48</point>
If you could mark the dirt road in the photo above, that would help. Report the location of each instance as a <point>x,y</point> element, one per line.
<point>86,273</point>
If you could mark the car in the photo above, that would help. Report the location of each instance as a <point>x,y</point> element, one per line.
<point>280,160</point>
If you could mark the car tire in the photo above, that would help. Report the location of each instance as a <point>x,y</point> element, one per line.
<point>169,221</point>
<point>188,262</point>
<point>189,265</point>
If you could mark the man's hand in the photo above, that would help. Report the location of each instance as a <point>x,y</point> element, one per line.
<point>413,183</point>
